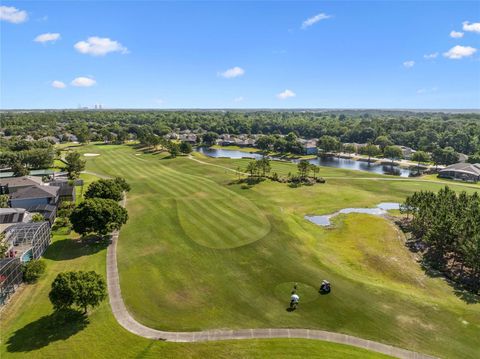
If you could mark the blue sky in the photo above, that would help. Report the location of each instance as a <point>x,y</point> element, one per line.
<point>151,54</point>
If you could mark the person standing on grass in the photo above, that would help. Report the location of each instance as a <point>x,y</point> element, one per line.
<point>294,299</point>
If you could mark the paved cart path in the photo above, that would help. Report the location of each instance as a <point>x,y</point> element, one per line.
<point>125,319</point>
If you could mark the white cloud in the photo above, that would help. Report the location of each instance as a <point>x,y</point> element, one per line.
<point>456,34</point>
<point>58,84</point>
<point>99,46</point>
<point>286,94</point>
<point>474,27</point>
<point>47,37</point>
<point>409,64</point>
<point>13,15</point>
<point>427,90</point>
<point>238,99</point>
<point>83,82</point>
<point>431,56</point>
<point>233,72</point>
<point>159,101</point>
<point>458,52</point>
<point>314,19</point>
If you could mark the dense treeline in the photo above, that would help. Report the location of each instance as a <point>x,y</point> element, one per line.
<point>446,226</point>
<point>26,154</point>
<point>421,131</point>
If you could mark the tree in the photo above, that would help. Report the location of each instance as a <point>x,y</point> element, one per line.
<point>38,217</point>
<point>32,270</point>
<point>174,149</point>
<point>82,289</point>
<point>209,138</point>
<point>280,145</point>
<point>4,200</point>
<point>185,147</point>
<point>19,170</point>
<point>393,153</point>
<point>252,168</point>
<point>448,224</point>
<point>264,165</point>
<point>329,144</point>
<point>383,142</point>
<point>265,143</point>
<point>91,290</point>
<point>450,156</point>
<point>370,150</point>
<point>62,293</point>
<point>75,164</point>
<point>3,246</point>
<point>105,188</point>
<point>444,156</point>
<point>98,215</point>
<point>303,168</point>
<point>349,148</point>
<point>420,156</point>
<point>122,183</point>
<point>315,169</point>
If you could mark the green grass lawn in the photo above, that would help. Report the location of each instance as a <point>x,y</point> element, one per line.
<point>30,328</point>
<point>184,266</point>
<point>201,253</point>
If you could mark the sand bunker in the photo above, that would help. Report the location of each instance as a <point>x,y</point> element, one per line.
<point>91,154</point>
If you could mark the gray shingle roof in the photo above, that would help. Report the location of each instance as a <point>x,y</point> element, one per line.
<point>36,192</point>
<point>471,168</point>
<point>21,181</point>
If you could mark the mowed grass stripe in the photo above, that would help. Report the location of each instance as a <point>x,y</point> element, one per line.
<point>230,235</point>
<point>225,236</point>
<point>220,213</point>
<point>205,235</point>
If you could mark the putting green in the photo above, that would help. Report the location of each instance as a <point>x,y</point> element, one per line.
<point>225,222</point>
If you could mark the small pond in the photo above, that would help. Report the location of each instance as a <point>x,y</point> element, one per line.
<point>380,210</point>
<point>321,161</point>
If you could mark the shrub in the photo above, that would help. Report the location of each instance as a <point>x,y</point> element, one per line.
<point>32,270</point>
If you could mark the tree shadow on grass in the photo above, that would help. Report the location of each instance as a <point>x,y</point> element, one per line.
<point>466,295</point>
<point>50,328</point>
<point>66,249</point>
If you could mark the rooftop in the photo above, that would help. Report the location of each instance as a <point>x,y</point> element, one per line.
<point>12,210</point>
<point>21,181</point>
<point>473,168</point>
<point>36,192</point>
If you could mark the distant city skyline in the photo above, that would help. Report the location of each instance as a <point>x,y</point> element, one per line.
<point>219,55</point>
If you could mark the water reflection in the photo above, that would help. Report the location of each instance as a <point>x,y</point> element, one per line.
<point>321,161</point>
<point>380,210</point>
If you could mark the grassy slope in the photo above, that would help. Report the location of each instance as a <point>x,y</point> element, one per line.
<point>380,292</point>
<point>29,326</point>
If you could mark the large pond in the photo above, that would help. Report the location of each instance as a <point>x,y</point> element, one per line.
<point>380,210</point>
<point>321,161</point>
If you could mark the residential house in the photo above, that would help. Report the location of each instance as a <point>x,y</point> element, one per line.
<point>35,195</point>
<point>462,171</point>
<point>188,137</point>
<point>13,215</point>
<point>407,152</point>
<point>309,146</point>
<point>67,189</point>
<point>24,242</point>
<point>13,184</point>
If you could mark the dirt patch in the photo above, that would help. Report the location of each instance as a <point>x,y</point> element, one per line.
<point>407,320</point>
